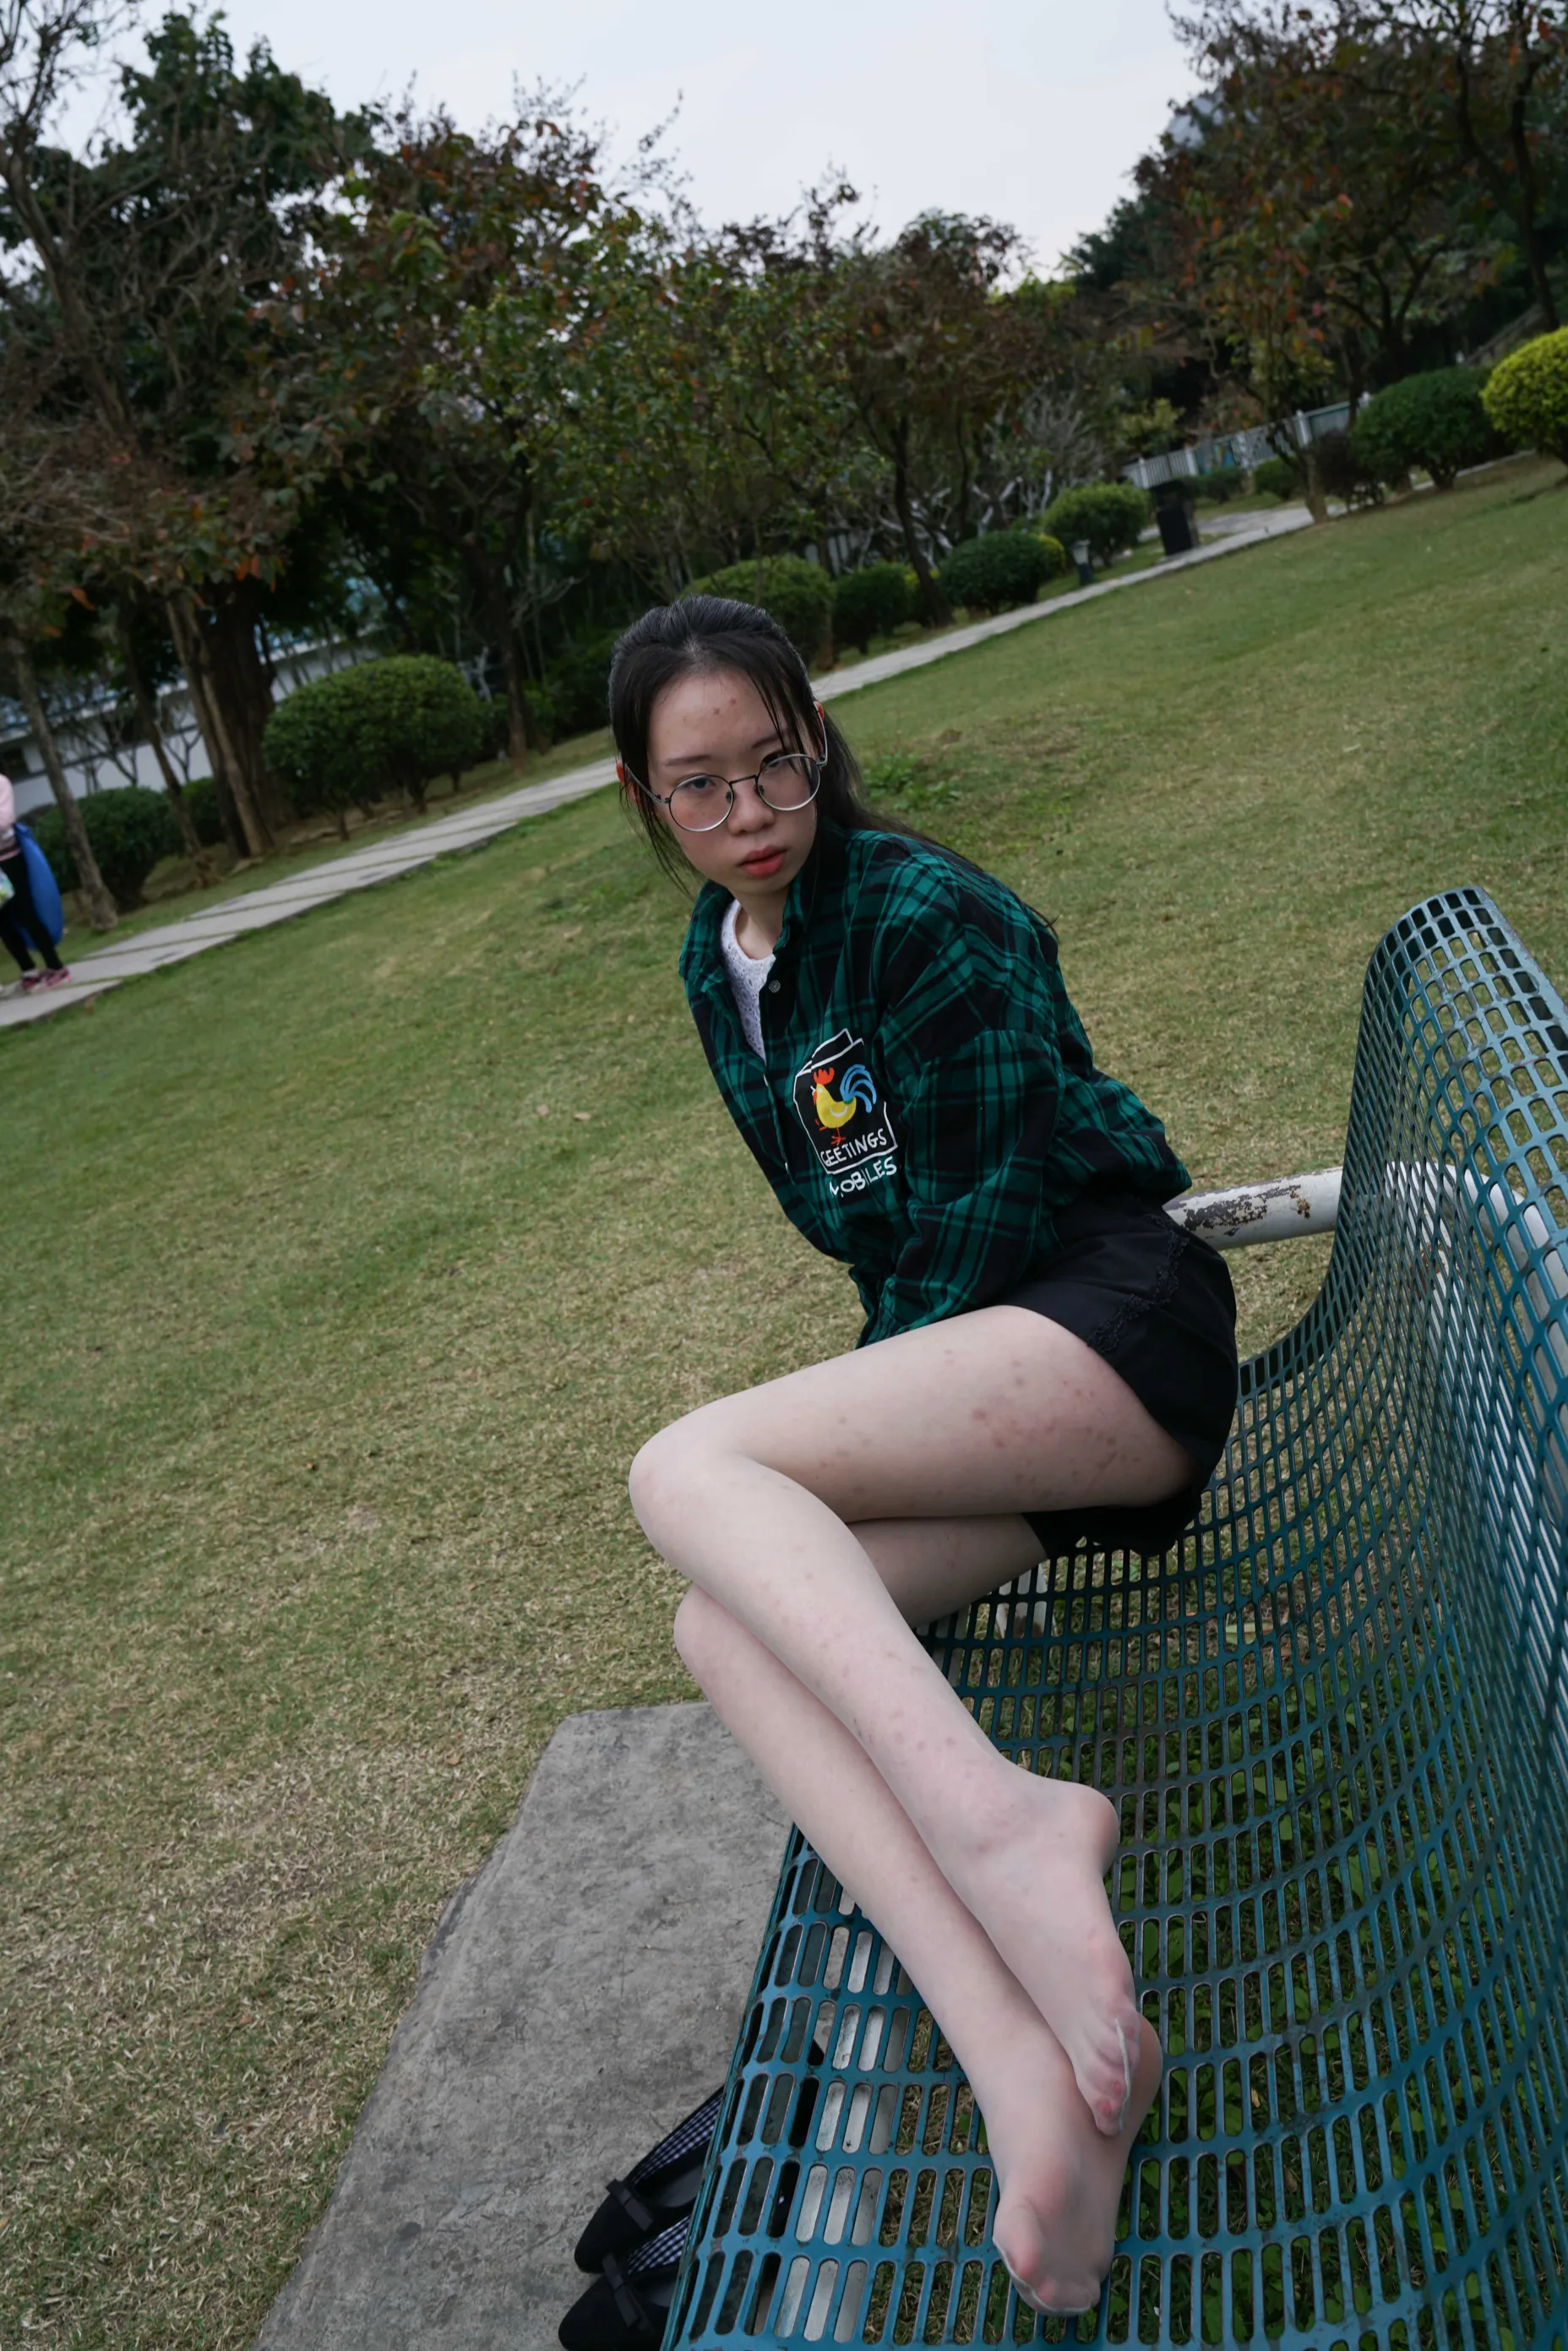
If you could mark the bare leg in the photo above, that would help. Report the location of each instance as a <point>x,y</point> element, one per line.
<point>1059,2179</point>
<point>754,1497</point>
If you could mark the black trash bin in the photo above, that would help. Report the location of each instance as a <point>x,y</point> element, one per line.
<point>1176,517</point>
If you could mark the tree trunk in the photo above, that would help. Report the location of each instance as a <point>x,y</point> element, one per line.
<point>190,643</point>
<point>242,684</point>
<point>99,904</point>
<point>520,731</point>
<point>932,604</point>
<point>1311,471</point>
<point>200,863</point>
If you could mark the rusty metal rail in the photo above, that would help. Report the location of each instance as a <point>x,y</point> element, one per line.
<point>1282,1210</point>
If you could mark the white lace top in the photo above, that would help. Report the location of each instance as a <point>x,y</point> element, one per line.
<point>748,978</point>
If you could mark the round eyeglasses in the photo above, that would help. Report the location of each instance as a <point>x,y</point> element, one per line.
<point>789,780</point>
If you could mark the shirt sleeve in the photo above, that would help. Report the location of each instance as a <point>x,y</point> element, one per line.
<point>974,1075</point>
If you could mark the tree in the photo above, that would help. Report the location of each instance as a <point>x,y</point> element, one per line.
<point>1493,79</point>
<point>48,495</point>
<point>706,418</point>
<point>1443,122</point>
<point>150,255</point>
<point>446,246</point>
<point>924,348</point>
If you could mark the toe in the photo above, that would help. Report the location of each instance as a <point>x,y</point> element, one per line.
<point>1106,2078</point>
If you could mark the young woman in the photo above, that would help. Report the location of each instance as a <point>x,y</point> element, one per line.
<point>1044,1349</point>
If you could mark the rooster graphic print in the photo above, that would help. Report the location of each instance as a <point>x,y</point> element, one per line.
<point>840,1106</point>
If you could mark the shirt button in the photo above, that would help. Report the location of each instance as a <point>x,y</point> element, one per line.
<point>773,987</point>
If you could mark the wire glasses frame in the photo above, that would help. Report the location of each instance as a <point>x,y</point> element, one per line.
<point>787,781</point>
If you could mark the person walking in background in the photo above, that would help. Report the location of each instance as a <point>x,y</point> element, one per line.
<point>22,926</point>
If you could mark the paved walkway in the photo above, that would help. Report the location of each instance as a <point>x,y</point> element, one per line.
<point>317,885</point>
<point>581,1995</point>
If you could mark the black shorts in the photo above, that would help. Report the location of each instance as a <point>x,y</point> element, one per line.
<point>1156,1303</point>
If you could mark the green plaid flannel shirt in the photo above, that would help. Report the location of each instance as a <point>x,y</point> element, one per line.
<point>927,1098</point>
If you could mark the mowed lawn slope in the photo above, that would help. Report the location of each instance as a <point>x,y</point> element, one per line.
<point>346,1267</point>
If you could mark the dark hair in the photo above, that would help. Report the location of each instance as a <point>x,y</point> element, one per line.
<point>706,633</point>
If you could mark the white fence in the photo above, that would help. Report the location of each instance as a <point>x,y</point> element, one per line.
<point>1239,452</point>
<point>97,757</point>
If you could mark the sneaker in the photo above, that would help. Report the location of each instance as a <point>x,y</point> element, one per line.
<point>32,981</point>
<point>57,979</point>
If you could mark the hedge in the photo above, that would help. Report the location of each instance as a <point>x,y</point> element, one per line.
<point>577,685</point>
<point>872,602</point>
<point>992,574</point>
<point>345,740</point>
<point>1526,396</point>
<point>1437,421</point>
<point>1276,478</point>
<point>799,594</point>
<point>1110,515</point>
<point>131,830</point>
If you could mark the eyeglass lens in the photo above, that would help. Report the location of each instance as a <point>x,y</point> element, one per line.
<point>787,781</point>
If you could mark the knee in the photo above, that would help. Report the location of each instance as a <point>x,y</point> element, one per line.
<point>663,1481</point>
<point>699,1631</point>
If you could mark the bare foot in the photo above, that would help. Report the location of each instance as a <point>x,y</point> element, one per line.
<point>1060,2178</point>
<point>1034,1885</point>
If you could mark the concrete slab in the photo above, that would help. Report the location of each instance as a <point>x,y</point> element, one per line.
<point>581,1995</point>
<point>16,1011</point>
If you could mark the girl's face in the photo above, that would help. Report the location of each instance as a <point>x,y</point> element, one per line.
<point>717,723</point>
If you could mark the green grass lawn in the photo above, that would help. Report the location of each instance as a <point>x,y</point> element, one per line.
<point>173,893</point>
<point>347,1267</point>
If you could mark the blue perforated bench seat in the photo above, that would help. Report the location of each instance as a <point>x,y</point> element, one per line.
<point>1334,1721</point>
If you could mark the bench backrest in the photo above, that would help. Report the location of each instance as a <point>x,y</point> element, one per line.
<point>1335,1720</point>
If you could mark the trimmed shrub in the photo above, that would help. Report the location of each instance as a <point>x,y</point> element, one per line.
<point>579,683</point>
<point>1276,478</point>
<point>1109,515</point>
<point>1218,489</point>
<point>799,594</point>
<point>1061,561</point>
<point>993,573</point>
<point>1342,475</point>
<point>345,740</point>
<point>1526,396</point>
<point>871,603</point>
<point>202,799</point>
<point>1436,420</point>
<point>130,830</point>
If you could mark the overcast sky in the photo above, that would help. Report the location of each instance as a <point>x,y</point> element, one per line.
<point>1033,113</point>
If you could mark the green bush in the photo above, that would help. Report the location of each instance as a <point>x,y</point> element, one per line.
<point>1276,478</point>
<point>130,829</point>
<point>579,683</point>
<point>345,740</point>
<point>871,603</point>
<point>799,594</point>
<point>1003,569</point>
<point>1526,397</point>
<point>1218,488</point>
<point>1343,475</point>
<point>1109,515</point>
<point>202,799</point>
<point>1437,421</point>
<point>1061,561</point>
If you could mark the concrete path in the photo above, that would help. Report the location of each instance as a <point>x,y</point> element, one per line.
<point>581,1995</point>
<point>318,885</point>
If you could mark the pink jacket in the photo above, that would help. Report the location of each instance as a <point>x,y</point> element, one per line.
<point>7,817</point>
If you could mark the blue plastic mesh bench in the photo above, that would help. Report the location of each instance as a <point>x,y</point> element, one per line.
<point>1333,1720</point>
